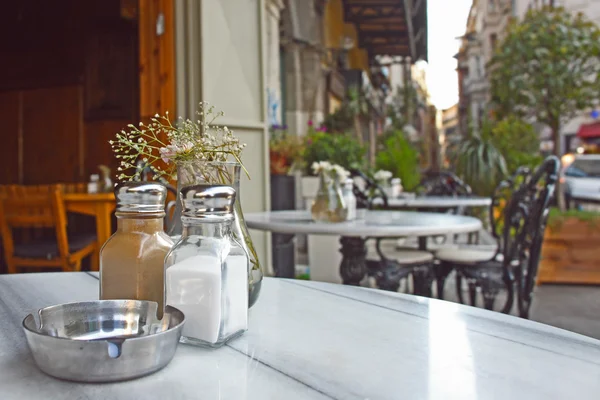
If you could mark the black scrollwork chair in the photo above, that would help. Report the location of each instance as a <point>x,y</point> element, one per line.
<point>388,272</point>
<point>443,183</point>
<point>524,223</point>
<point>449,256</point>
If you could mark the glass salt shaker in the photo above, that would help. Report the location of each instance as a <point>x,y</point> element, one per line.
<point>132,261</point>
<point>396,188</point>
<point>350,198</point>
<point>207,270</point>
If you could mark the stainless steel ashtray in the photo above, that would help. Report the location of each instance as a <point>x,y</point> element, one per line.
<point>103,341</point>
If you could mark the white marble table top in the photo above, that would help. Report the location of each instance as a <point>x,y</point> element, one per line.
<point>310,340</point>
<point>375,224</point>
<point>437,202</point>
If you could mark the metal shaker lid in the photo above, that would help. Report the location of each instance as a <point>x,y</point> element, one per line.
<point>141,197</point>
<point>203,200</point>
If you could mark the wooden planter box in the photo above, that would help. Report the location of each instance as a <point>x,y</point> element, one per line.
<point>570,253</point>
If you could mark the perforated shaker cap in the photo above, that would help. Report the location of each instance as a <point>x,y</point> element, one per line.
<point>208,200</point>
<point>141,197</point>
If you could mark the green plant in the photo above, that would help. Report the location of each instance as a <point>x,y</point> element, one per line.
<point>518,142</point>
<point>547,68</point>
<point>341,149</point>
<point>184,141</point>
<point>342,120</point>
<point>285,150</point>
<point>479,162</point>
<point>358,107</point>
<point>557,218</point>
<point>398,156</point>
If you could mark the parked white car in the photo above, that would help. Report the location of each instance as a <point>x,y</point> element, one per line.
<point>580,175</point>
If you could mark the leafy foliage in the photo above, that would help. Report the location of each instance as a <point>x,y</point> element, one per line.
<point>342,120</point>
<point>341,149</point>
<point>518,142</point>
<point>285,150</point>
<point>398,156</point>
<point>479,162</point>
<point>557,218</point>
<point>547,68</point>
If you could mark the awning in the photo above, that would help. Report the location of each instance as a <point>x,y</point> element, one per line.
<point>588,131</point>
<point>390,27</point>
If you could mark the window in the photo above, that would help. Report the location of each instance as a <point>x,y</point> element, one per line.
<point>584,168</point>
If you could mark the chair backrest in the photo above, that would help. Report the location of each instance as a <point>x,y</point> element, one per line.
<point>39,206</point>
<point>524,226</point>
<point>372,191</point>
<point>500,199</point>
<point>444,183</point>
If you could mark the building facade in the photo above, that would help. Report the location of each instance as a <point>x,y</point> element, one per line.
<point>486,26</point>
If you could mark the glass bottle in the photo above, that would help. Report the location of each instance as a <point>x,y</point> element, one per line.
<point>220,173</point>
<point>132,259</point>
<point>207,270</point>
<point>396,188</point>
<point>350,199</point>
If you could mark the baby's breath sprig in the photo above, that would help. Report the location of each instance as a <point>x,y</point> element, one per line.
<point>187,140</point>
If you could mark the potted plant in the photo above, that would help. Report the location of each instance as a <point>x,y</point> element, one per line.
<point>285,152</point>
<point>398,156</point>
<point>336,148</point>
<point>569,252</point>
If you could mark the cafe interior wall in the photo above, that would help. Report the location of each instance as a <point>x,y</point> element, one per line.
<point>222,45</point>
<point>74,74</point>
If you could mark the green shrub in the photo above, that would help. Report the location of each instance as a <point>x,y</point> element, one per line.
<point>400,157</point>
<point>518,142</point>
<point>479,162</point>
<point>341,149</point>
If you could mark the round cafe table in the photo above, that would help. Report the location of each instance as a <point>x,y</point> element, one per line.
<point>437,202</point>
<point>312,340</point>
<point>378,224</point>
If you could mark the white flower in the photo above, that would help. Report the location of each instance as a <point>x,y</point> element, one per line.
<point>171,151</point>
<point>339,172</point>
<point>382,175</point>
<point>321,166</point>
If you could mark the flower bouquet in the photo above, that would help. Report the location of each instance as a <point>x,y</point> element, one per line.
<point>175,144</point>
<point>192,152</point>
<point>329,204</point>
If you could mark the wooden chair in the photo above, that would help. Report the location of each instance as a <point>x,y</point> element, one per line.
<point>39,207</point>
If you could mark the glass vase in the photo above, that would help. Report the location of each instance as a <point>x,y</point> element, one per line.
<point>329,204</point>
<point>220,173</point>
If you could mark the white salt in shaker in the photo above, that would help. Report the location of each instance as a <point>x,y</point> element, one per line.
<point>207,270</point>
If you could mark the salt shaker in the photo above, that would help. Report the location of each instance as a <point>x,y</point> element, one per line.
<point>132,260</point>
<point>396,188</point>
<point>350,198</point>
<point>207,270</point>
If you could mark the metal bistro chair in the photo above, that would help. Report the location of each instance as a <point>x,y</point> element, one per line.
<point>388,272</point>
<point>525,217</point>
<point>448,256</point>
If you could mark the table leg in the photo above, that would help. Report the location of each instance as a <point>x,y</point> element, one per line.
<point>353,267</point>
<point>283,254</point>
<point>423,276</point>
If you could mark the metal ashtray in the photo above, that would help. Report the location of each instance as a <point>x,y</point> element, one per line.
<point>103,341</point>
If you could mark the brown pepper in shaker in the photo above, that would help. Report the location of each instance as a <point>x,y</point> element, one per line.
<point>132,260</point>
